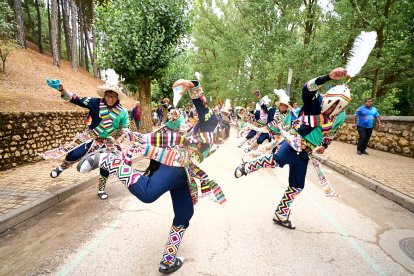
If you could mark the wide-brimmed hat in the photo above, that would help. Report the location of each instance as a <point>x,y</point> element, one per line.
<point>283,98</point>
<point>111,84</point>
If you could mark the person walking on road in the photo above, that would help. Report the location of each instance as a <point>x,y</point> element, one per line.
<point>136,115</point>
<point>365,118</point>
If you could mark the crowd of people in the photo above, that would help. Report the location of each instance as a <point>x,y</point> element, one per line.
<point>273,134</point>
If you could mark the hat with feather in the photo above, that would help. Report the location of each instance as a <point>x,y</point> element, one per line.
<point>283,98</point>
<point>111,84</point>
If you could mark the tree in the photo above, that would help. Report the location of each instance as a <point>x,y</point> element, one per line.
<point>54,32</point>
<point>74,36</point>
<point>39,27</point>
<point>7,30</point>
<point>21,37</point>
<point>138,39</point>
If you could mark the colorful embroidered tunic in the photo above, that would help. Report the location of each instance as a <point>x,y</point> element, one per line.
<point>315,128</point>
<point>171,148</point>
<point>102,121</point>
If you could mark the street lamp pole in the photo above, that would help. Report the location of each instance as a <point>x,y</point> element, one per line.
<point>289,82</point>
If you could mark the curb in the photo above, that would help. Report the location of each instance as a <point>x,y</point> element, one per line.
<point>387,192</point>
<point>33,208</point>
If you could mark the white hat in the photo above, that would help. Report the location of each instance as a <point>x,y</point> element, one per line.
<point>111,84</point>
<point>339,93</point>
<point>283,98</point>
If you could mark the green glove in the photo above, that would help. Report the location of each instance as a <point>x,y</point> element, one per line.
<point>53,83</point>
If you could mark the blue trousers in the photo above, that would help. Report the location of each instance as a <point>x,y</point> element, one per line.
<point>166,178</point>
<point>78,153</point>
<point>251,134</point>
<point>138,124</point>
<point>263,137</point>
<point>298,164</point>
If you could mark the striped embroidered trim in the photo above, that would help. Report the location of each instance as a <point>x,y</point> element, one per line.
<point>314,120</point>
<point>107,118</point>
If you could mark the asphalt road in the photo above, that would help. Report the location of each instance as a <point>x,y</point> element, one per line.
<point>360,233</point>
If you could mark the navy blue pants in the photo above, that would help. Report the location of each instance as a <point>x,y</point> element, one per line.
<point>298,164</point>
<point>263,137</point>
<point>251,134</point>
<point>78,153</point>
<point>166,178</point>
<point>363,139</point>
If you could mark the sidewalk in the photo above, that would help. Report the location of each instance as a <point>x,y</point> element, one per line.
<point>28,190</point>
<point>390,175</point>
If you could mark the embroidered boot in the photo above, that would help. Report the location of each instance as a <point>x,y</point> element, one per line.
<point>101,187</point>
<point>170,262</point>
<point>283,209</point>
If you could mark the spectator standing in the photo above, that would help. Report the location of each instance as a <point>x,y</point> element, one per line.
<point>159,114</point>
<point>136,115</point>
<point>365,118</point>
<point>166,109</point>
<point>295,111</point>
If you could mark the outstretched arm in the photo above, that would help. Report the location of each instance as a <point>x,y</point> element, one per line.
<point>67,95</point>
<point>311,87</point>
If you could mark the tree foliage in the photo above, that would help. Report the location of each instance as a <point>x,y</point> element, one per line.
<point>139,39</point>
<point>7,31</point>
<point>245,45</point>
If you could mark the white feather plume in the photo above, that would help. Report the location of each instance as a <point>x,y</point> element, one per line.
<point>227,104</point>
<point>360,51</point>
<point>111,78</point>
<point>198,75</point>
<point>177,94</point>
<point>283,97</point>
<point>266,99</point>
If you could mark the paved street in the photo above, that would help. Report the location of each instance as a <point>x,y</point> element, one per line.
<point>360,233</point>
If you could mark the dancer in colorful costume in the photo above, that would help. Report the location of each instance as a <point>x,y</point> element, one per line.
<point>278,113</point>
<point>319,119</point>
<point>106,116</point>
<point>258,118</point>
<point>178,156</point>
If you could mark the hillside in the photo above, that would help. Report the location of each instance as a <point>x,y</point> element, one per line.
<point>23,86</point>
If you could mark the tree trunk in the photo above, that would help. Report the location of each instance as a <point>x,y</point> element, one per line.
<point>50,25</point>
<point>80,31</point>
<point>31,25</point>
<point>64,4</point>
<point>54,32</point>
<point>59,20</point>
<point>74,37</point>
<point>379,46</point>
<point>93,55</point>
<point>39,27</point>
<point>87,46</point>
<point>144,94</point>
<point>21,36</point>
<point>309,21</point>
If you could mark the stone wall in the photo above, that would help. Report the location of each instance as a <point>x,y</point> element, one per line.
<point>395,135</point>
<point>25,134</point>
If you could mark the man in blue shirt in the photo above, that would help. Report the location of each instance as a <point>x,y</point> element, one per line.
<point>295,111</point>
<point>365,117</point>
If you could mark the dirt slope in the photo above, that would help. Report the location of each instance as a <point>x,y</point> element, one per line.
<point>23,86</point>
